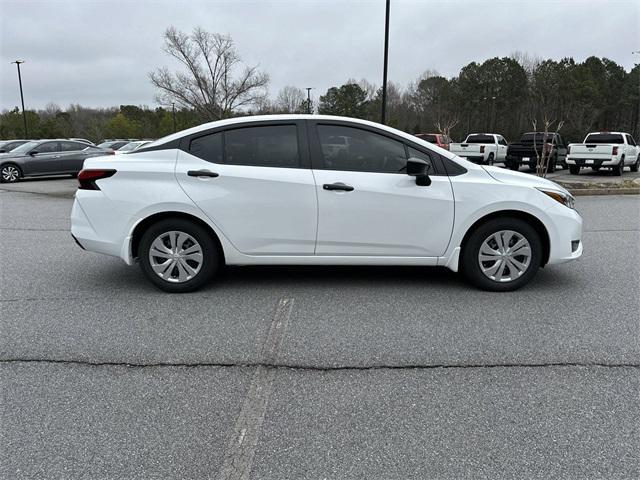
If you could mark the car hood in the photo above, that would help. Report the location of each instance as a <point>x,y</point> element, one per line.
<point>523,179</point>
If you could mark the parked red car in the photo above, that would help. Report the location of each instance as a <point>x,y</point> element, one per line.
<point>438,139</point>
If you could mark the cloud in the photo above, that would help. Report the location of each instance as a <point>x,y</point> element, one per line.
<point>98,53</point>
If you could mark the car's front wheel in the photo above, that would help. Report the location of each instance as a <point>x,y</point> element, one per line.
<point>574,169</point>
<point>178,255</point>
<point>10,173</point>
<point>502,255</point>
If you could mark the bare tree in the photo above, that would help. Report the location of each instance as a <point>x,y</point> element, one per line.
<point>545,152</point>
<point>446,126</point>
<point>291,100</point>
<point>214,81</point>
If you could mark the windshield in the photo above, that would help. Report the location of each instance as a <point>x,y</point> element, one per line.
<point>129,146</point>
<point>25,147</point>
<point>604,138</point>
<point>479,139</point>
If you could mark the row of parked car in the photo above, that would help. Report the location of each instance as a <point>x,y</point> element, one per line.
<point>609,150</point>
<point>61,156</point>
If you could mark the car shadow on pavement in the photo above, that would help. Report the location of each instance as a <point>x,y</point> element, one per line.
<point>264,278</point>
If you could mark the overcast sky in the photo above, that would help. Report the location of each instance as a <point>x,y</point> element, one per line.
<point>98,53</point>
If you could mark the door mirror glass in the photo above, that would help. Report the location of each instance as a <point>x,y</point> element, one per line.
<point>33,152</point>
<point>419,168</point>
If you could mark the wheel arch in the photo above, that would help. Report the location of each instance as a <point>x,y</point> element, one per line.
<point>142,226</point>
<point>539,227</point>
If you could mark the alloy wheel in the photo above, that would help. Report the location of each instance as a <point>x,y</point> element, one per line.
<point>504,256</point>
<point>10,174</point>
<point>175,256</point>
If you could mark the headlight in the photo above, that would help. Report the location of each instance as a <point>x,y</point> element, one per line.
<point>564,198</point>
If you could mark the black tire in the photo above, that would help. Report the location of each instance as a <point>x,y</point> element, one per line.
<point>574,169</point>
<point>211,257</point>
<point>618,169</point>
<point>513,166</point>
<point>490,159</point>
<point>470,264</point>
<point>10,173</point>
<point>636,166</point>
<point>553,163</point>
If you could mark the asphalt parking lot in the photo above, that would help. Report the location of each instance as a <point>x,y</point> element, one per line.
<point>319,373</point>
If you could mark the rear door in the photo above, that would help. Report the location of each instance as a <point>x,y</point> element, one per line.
<point>44,159</point>
<point>72,156</point>
<point>367,204</point>
<point>254,182</point>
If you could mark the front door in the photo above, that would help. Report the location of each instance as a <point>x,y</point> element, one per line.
<point>255,185</point>
<point>43,159</point>
<point>367,204</point>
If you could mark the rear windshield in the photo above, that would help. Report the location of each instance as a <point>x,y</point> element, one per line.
<point>479,139</point>
<point>603,138</point>
<point>428,138</point>
<point>528,137</point>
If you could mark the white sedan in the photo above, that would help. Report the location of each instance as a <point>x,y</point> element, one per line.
<point>273,190</point>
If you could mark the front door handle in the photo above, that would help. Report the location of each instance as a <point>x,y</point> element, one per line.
<point>338,186</point>
<point>202,173</point>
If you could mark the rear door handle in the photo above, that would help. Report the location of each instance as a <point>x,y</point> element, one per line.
<point>338,186</point>
<point>202,173</point>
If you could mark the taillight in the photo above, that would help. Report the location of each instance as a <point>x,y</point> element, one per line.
<point>615,151</point>
<point>87,178</point>
<point>481,148</point>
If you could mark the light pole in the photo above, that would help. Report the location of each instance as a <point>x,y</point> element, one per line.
<point>173,109</point>
<point>24,115</point>
<point>309,99</point>
<point>386,60</point>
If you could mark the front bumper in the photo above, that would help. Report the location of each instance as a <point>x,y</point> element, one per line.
<point>565,235</point>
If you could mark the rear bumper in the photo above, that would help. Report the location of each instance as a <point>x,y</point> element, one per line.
<point>593,162</point>
<point>86,236</point>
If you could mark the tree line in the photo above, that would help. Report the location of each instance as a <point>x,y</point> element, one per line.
<point>504,95</point>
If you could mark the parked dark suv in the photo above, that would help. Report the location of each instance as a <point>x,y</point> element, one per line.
<point>46,157</point>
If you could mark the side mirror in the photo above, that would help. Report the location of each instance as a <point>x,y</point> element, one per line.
<point>419,168</point>
<point>33,152</point>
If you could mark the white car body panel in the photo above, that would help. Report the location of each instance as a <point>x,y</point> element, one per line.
<point>273,215</point>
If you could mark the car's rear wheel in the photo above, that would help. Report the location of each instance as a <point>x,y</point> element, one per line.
<point>10,173</point>
<point>618,169</point>
<point>513,166</point>
<point>574,169</point>
<point>502,255</point>
<point>636,166</point>
<point>490,159</point>
<point>178,255</point>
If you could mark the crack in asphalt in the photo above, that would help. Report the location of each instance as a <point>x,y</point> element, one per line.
<point>329,368</point>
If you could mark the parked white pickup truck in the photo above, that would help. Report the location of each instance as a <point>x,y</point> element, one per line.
<point>614,150</point>
<point>483,148</point>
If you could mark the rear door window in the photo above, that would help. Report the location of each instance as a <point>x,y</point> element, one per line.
<point>604,138</point>
<point>207,147</point>
<point>262,146</point>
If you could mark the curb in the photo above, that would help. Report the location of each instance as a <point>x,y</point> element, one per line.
<point>578,192</point>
